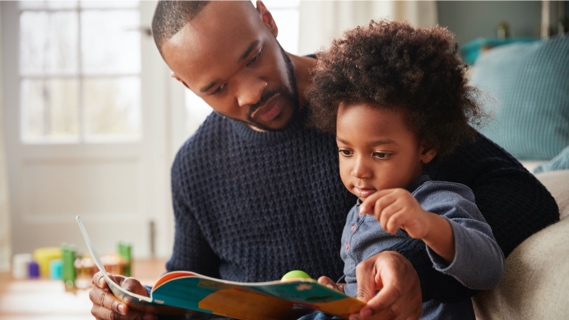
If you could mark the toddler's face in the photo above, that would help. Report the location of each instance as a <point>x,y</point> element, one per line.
<point>377,151</point>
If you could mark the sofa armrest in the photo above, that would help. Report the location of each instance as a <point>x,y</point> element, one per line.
<point>537,272</point>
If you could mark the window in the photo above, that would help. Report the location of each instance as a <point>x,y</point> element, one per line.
<point>79,71</point>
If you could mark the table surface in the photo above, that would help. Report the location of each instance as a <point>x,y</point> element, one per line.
<point>45,299</point>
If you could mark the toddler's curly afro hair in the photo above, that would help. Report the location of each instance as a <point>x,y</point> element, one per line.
<point>391,64</point>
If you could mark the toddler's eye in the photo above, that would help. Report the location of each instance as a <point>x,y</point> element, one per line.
<point>345,153</point>
<point>381,155</point>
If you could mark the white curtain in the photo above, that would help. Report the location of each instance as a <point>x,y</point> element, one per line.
<point>4,210</point>
<point>321,21</point>
<point>4,213</point>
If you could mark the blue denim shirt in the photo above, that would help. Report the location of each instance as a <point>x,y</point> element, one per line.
<point>478,262</point>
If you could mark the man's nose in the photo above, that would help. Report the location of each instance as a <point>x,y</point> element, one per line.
<point>250,90</point>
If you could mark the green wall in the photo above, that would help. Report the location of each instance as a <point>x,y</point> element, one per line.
<point>469,20</point>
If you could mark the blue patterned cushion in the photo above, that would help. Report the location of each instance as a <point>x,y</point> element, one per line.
<point>528,84</point>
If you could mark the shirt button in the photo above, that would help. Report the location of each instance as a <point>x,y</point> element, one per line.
<point>347,246</point>
<point>353,228</point>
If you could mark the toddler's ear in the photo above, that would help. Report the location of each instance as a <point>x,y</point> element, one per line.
<point>428,152</point>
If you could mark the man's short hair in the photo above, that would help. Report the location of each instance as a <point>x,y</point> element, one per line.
<point>171,16</point>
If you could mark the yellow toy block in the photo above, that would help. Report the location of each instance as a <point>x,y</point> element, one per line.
<point>43,256</point>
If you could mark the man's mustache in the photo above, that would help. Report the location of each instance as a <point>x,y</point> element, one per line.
<point>264,98</point>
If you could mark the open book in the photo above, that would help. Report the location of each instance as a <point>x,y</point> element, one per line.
<point>189,292</point>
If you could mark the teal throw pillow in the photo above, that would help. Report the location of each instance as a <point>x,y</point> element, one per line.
<point>528,87</point>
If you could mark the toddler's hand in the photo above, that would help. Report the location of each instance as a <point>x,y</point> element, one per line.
<point>397,208</point>
<point>331,283</point>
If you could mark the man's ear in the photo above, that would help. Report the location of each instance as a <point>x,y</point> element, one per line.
<point>428,152</point>
<point>175,76</point>
<point>267,18</point>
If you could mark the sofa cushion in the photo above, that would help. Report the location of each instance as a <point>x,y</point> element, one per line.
<point>535,282</point>
<point>528,94</point>
<point>537,271</point>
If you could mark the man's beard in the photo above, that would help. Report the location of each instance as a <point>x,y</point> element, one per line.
<point>291,95</point>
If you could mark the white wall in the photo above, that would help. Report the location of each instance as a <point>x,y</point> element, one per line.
<point>4,213</point>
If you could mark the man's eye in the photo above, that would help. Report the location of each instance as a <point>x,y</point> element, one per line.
<point>381,155</point>
<point>254,59</point>
<point>345,153</point>
<point>217,90</point>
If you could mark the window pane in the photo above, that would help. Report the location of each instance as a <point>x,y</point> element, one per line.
<point>109,4</point>
<point>59,4</point>
<point>76,40</point>
<point>49,110</point>
<point>112,108</point>
<point>48,42</point>
<point>110,41</point>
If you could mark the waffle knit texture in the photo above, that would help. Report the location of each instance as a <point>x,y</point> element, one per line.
<point>251,206</point>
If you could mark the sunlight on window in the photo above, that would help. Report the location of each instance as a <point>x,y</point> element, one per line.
<point>50,109</point>
<point>80,67</point>
<point>48,42</point>
<point>110,47</point>
<point>112,109</point>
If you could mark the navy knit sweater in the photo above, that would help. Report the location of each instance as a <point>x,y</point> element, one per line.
<point>250,206</point>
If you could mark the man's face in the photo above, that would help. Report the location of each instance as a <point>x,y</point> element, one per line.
<point>229,56</point>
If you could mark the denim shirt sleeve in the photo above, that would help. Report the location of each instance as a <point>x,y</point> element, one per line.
<point>479,262</point>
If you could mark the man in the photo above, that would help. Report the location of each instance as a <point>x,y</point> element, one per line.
<point>256,193</point>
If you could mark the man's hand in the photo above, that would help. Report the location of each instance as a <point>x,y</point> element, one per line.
<point>400,290</point>
<point>107,307</point>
